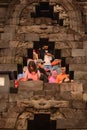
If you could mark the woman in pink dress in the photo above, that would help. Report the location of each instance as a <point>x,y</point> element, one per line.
<point>32,72</point>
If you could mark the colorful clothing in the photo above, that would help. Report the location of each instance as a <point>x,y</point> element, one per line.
<point>32,76</point>
<point>52,78</point>
<point>60,77</point>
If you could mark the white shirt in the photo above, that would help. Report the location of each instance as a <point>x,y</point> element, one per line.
<point>47,59</point>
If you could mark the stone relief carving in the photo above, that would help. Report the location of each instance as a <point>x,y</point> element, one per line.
<point>43,103</point>
<point>28,15</point>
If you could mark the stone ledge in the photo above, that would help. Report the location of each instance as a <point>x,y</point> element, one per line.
<point>30,86</point>
<point>71,123</point>
<point>72,87</point>
<point>8,67</point>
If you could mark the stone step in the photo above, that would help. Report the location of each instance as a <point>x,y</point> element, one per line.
<point>8,67</point>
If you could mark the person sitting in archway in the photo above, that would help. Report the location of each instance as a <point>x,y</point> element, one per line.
<point>32,72</point>
<point>62,77</point>
<point>52,78</point>
<point>40,66</point>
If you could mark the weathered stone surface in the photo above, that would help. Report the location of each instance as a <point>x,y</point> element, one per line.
<point>57,37</point>
<point>78,67</point>
<point>3,102</point>
<point>66,52</point>
<point>80,75</point>
<point>30,86</point>
<point>26,99</point>
<point>34,29</point>
<point>65,87</point>
<point>3,105</point>
<point>2,122</point>
<point>85,44</point>
<point>7,60</point>
<point>75,87</point>
<point>68,44</point>
<point>85,96</point>
<point>51,86</point>
<point>19,37</point>
<point>8,67</point>
<point>78,52</point>
<point>10,123</point>
<point>10,28</point>
<point>77,96</point>
<point>43,103</point>
<point>84,82</point>
<point>66,103</point>
<point>21,52</point>
<point>31,37</point>
<point>79,104</point>
<point>70,113</point>
<point>18,60</point>
<point>71,123</point>
<point>7,36</point>
<point>40,93</point>
<point>7,52</point>
<point>2,29</point>
<point>65,95</point>
<point>4,44</point>
<point>25,94</point>
<point>20,45</point>
<point>76,60</point>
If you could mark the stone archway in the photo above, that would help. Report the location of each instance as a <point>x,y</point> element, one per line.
<point>71,8</point>
<point>35,110</point>
<point>65,38</point>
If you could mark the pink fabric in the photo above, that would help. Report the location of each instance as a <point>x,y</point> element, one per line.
<point>52,78</point>
<point>33,75</point>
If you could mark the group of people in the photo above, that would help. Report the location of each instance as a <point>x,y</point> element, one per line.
<point>45,68</point>
<point>36,71</point>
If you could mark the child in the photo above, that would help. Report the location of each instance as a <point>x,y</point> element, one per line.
<point>52,78</point>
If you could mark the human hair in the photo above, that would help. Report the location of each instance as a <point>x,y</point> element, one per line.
<point>33,65</point>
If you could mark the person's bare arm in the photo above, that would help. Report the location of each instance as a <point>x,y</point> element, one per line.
<point>49,54</point>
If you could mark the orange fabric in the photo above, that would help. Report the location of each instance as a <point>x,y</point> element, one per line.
<point>55,62</point>
<point>60,77</point>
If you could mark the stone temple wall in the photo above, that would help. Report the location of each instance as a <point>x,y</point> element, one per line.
<point>66,103</point>
<point>22,29</point>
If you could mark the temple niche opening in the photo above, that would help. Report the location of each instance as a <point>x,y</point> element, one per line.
<point>28,25</point>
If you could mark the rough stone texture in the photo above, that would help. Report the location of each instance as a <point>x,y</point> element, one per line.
<point>66,103</point>
<point>16,108</point>
<point>80,75</point>
<point>8,67</point>
<point>78,52</point>
<point>31,37</point>
<point>32,85</point>
<point>4,44</point>
<point>68,44</point>
<point>7,60</point>
<point>76,60</point>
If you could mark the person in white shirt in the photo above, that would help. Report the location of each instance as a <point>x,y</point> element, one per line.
<point>47,58</point>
